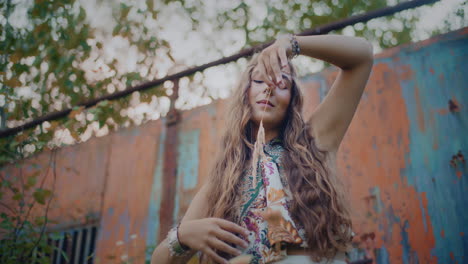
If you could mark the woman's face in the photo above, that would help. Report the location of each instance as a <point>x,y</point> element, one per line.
<point>274,110</point>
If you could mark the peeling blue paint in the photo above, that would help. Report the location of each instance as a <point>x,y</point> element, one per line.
<point>187,165</point>
<point>188,152</point>
<point>382,256</point>
<point>409,255</point>
<point>155,199</point>
<point>375,192</point>
<point>428,168</point>
<point>423,210</point>
<point>124,223</point>
<point>392,218</point>
<point>405,243</point>
<point>105,233</point>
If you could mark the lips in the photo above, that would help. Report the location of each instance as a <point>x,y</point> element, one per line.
<point>266,102</point>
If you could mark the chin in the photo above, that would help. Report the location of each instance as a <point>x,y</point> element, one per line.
<point>269,121</point>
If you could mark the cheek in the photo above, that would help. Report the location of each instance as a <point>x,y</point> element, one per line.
<point>255,88</point>
<point>284,99</point>
<point>253,92</point>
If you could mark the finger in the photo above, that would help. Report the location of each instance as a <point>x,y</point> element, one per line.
<point>229,237</point>
<point>208,251</point>
<point>274,63</point>
<point>264,75</point>
<point>220,245</point>
<point>268,70</point>
<point>232,227</point>
<point>283,57</point>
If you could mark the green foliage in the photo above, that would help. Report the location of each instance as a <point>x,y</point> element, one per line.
<point>23,238</point>
<point>45,60</point>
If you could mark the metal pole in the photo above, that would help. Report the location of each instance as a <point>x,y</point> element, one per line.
<point>169,178</point>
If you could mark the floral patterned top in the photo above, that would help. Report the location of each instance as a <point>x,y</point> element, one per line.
<point>264,208</point>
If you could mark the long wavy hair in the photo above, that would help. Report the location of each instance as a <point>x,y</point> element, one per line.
<point>318,203</point>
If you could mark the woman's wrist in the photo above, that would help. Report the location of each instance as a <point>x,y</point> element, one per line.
<point>284,41</point>
<point>290,44</point>
<point>184,246</point>
<point>175,245</point>
<point>295,48</point>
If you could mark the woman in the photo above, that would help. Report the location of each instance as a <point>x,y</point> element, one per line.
<point>292,209</point>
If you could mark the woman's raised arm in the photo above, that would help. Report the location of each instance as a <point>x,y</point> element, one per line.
<point>354,57</point>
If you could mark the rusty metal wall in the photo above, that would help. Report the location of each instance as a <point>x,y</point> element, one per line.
<point>408,198</point>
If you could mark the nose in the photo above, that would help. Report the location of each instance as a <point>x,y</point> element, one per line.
<point>268,89</point>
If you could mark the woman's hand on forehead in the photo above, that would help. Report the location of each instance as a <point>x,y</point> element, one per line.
<point>258,76</point>
<point>273,64</point>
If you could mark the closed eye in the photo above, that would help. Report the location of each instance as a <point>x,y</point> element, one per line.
<point>286,77</point>
<point>257,81</point>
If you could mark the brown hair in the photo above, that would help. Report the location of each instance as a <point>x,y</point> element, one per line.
<point>318,202</point>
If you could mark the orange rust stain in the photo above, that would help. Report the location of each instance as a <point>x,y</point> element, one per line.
<point>459,174</point>
<point>462,234</point>
<point>463,31</point>
<point>452,256</point>
<point>431,70</point>
<point>405,72</point>
<point>380,168</point>
<point>442,233</point>
<point>419,109</point>
<point>443,111</point>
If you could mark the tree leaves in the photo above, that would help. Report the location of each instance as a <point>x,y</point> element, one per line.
<point>12,82</point>
<point>23,239</point>
<point>40,195</point>
<point>31,180</point>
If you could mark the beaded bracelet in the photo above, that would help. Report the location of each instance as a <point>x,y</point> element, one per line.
<point>295,49</point>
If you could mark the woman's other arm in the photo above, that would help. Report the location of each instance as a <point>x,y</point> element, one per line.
<point>196,210</point>
<point>202,234</point>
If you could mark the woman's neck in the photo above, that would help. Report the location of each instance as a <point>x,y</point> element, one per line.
<point>269,133</point>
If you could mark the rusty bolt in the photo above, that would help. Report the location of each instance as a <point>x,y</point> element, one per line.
<point>453,106</point>
<point>453,163</point>
<point>460,157</point>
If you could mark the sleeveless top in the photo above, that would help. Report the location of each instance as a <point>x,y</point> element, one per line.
<point>264,208</point>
